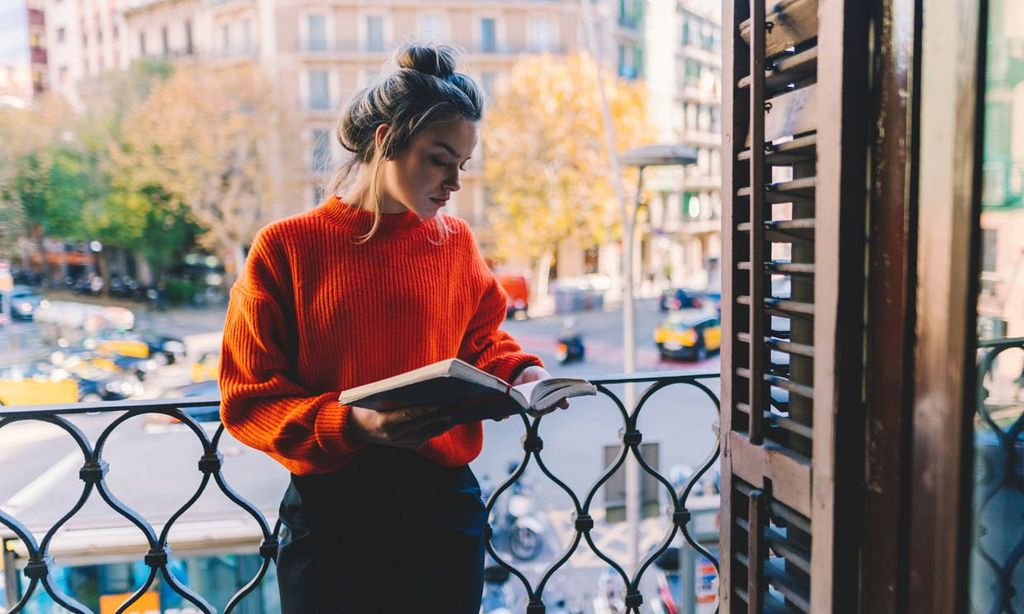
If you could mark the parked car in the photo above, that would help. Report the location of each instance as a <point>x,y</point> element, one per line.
<point>99,378</point>
<point>208,388</point>
<point>689,334</point>
<point>95,385</point>
<point>163,349</point>
<point>207,367</point>
<point>518,291</point>
<point>679,298</point>
<point>31,385</point>
<point>25,302</point>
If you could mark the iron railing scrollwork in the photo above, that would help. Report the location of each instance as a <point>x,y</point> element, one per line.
<point>38,567</point>
<point>998,542</point>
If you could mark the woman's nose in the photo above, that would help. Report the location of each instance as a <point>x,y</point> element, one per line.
<point>453,182</point>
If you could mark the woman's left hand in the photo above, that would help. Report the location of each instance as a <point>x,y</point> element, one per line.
<point>532,374</point>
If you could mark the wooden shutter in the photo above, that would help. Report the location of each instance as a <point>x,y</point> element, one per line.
<point>794,191</point>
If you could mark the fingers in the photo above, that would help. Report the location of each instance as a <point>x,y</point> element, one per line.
<point>419,437</point>
<point>536,413</point>
<point>406,421</point>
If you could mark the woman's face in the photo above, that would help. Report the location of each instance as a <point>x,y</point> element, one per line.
<point>423,176</point>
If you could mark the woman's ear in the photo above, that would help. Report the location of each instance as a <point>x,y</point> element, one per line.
<point>379,136</point>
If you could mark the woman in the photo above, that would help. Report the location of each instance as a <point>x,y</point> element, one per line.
<point>382,513</point>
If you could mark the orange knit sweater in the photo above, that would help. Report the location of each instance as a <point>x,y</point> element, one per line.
<point>315,313</point>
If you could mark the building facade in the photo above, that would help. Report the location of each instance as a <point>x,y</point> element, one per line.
<point>23,54</point>
<point>84,39</point>
<point>682,244</point>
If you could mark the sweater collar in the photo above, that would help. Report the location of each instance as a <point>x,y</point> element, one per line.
<point>359,221</point>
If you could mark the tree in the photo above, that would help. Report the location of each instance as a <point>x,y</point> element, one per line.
<point>206,138</point>
<point>546,157</point>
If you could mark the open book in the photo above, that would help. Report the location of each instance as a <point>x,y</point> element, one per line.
<point>468,393</point>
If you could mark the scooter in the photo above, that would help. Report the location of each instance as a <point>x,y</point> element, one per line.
<point>570,344</point>
<point>514,521</point>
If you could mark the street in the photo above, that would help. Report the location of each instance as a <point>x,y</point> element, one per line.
<point>679,419</point>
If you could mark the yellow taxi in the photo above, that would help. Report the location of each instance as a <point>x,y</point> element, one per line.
<point>207,367</point>
<point>29,386</point>
<point>689,334</point>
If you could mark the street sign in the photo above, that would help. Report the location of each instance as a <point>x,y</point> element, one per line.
<point>615,487</point>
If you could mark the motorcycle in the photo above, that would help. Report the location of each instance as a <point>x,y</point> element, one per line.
<point>513,520</point>
<point>569,346</point>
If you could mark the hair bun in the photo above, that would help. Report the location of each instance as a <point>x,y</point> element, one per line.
<point>436,60</point>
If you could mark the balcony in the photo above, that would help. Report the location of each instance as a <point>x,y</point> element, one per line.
<point>147,517</point>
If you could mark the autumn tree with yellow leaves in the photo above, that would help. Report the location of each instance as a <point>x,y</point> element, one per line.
<point>546,156</point>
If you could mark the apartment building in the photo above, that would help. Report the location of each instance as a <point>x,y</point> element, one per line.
<point>23,55</point>
<point>321,53</point>
<point>84,38</point>
<point>683,241</point>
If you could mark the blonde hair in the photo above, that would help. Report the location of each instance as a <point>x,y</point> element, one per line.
<point>423,89</point>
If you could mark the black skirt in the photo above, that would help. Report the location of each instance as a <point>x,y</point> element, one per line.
<point>391,533</point>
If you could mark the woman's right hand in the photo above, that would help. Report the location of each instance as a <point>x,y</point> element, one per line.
<point>411,427</point>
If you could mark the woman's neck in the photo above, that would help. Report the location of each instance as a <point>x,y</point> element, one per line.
<point>359,196</point>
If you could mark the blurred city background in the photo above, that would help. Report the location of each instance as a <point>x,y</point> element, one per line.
<point>144,142</point>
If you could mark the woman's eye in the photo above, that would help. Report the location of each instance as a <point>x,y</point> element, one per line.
<point>439,162</point>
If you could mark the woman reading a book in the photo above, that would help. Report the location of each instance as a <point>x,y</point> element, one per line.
<point>382,513</point>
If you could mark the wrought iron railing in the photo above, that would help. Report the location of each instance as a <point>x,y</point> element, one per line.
<point>998,544</point>
<point>39,563</point>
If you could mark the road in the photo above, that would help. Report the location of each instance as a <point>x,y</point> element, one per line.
<point>679,419</point>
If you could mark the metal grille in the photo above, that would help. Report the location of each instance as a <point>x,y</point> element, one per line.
<point>998,544</point>
<point>38,568</point>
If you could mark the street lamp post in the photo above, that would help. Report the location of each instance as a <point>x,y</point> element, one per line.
<point>641,158</point>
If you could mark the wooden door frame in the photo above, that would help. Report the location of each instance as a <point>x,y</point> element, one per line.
<point>948,225</point>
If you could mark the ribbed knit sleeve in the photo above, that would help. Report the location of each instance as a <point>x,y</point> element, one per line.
<point>261,403</point>
<point>485,345</point>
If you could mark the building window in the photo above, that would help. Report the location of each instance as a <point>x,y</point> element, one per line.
<point>61,33</point>
<point>316,26</point>
<point>247,45</point>
<point>319,90</point>
<point>165,41</point>
<point>321,151</point>
<point>488,35</point>
<point>433,28</point>
<point>375,33</point>
<point>691,72</point>
<point>189,49</point>
<point>543,36</point>
<point>988,250</point>
<point>142,44</point>
<point>116,32</point>
<point>627,61</point>
<point>225,38</point>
